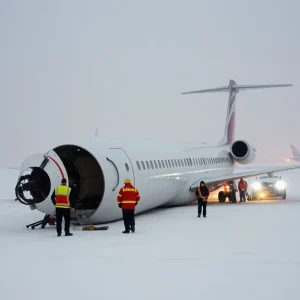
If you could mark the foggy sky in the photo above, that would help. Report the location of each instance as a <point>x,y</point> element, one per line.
<point>68,67</point>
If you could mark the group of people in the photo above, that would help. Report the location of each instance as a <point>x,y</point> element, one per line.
<point>202,194</point>
<point>242,188</point>
<point>127,200</point>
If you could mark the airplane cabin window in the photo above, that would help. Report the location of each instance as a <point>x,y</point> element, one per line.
<point>182,164</point>
<point>127,167</point>
<point>159,163</point>
<point>138,165</point>
<point>175,161</point>
<point>151,164</point>
<point>143,165</point>
<point>163,164</point>
<point>155,164</point>
<point>148,166</point>
<point>190,161</point>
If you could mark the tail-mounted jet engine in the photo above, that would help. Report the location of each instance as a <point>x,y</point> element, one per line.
<point>242,152</point>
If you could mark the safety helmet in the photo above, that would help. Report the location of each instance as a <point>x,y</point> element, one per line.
<point>127,180</point>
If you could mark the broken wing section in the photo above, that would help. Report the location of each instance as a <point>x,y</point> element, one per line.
<point>216,182</point>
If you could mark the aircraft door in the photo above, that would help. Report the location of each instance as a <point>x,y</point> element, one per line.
<point>123,167</point>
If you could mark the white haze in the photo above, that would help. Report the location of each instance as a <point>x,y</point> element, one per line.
<point>69,67</point>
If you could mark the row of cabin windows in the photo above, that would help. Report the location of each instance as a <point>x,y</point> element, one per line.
<point>184,162</point>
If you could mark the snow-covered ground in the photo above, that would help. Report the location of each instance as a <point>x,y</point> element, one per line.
<point>240,251</point>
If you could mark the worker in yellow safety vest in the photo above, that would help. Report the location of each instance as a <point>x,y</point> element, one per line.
<point>61,200</point>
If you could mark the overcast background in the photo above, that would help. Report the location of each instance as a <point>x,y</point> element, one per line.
<point>68,67</point>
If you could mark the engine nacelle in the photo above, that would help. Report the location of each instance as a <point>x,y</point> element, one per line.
<point>242,152</point>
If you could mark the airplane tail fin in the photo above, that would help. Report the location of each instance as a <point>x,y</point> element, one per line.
<point>295,151</point>
<point>233,89</point>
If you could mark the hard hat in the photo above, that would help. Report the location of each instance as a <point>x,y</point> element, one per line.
<point>127,180</point>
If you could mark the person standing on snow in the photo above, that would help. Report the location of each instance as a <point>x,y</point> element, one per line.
<point>128,198</point>
<point>202,194</point>
<point>243,187</point>
<point>61,199</point>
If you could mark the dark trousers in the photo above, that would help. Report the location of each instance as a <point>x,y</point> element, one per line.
<point>128,218</point>
<point>60,214</point>
<point>202,203</point>
<point>242,196</point>
<point>233,196</point>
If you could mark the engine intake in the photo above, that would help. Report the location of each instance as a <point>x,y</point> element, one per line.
<point>242,152</point>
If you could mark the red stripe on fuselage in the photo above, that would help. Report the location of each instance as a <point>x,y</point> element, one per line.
<point>60,170</point>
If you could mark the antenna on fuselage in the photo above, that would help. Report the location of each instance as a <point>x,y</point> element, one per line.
<point>233,89</point>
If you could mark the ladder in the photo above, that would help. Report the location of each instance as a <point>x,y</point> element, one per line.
<point>84,219</point>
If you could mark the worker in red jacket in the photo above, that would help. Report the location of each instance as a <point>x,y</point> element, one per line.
<point>242,187</point>
<point>128,198</point>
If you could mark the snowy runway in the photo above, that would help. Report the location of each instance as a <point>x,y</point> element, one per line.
<point>240,251</point>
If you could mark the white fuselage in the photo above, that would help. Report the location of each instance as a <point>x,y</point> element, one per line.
<point>162,172</point>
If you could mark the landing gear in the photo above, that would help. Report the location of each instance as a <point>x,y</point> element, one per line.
<point>221,197</point>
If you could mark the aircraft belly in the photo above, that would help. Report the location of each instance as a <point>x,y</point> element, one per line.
<point>154,192</point>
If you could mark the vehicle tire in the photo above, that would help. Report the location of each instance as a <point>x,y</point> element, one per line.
<point>221,197</point>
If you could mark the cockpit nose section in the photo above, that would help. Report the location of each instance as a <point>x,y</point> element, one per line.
<point>39,175</point>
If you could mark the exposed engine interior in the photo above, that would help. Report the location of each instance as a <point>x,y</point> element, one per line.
<point>242,152</point>
<point>33,186</point>
<point>85,176</point>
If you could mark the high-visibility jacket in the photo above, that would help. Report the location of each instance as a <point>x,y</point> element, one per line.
<point>128,196</point>
<point>62,196</point>
<point>243,186</point>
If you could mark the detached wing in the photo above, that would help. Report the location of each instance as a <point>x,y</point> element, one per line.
<point>218,181</point>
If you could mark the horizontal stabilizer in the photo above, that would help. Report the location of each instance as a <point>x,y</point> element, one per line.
<point>220,89</point>
<point>238,87</point>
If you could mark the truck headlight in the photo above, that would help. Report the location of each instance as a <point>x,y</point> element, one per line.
<point>280,185</point>
<point>256,186</point>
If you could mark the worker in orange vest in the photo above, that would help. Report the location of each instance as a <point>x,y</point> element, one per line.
<point>128,198</point>
<point>61,200</point>
<point>242,187</point>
